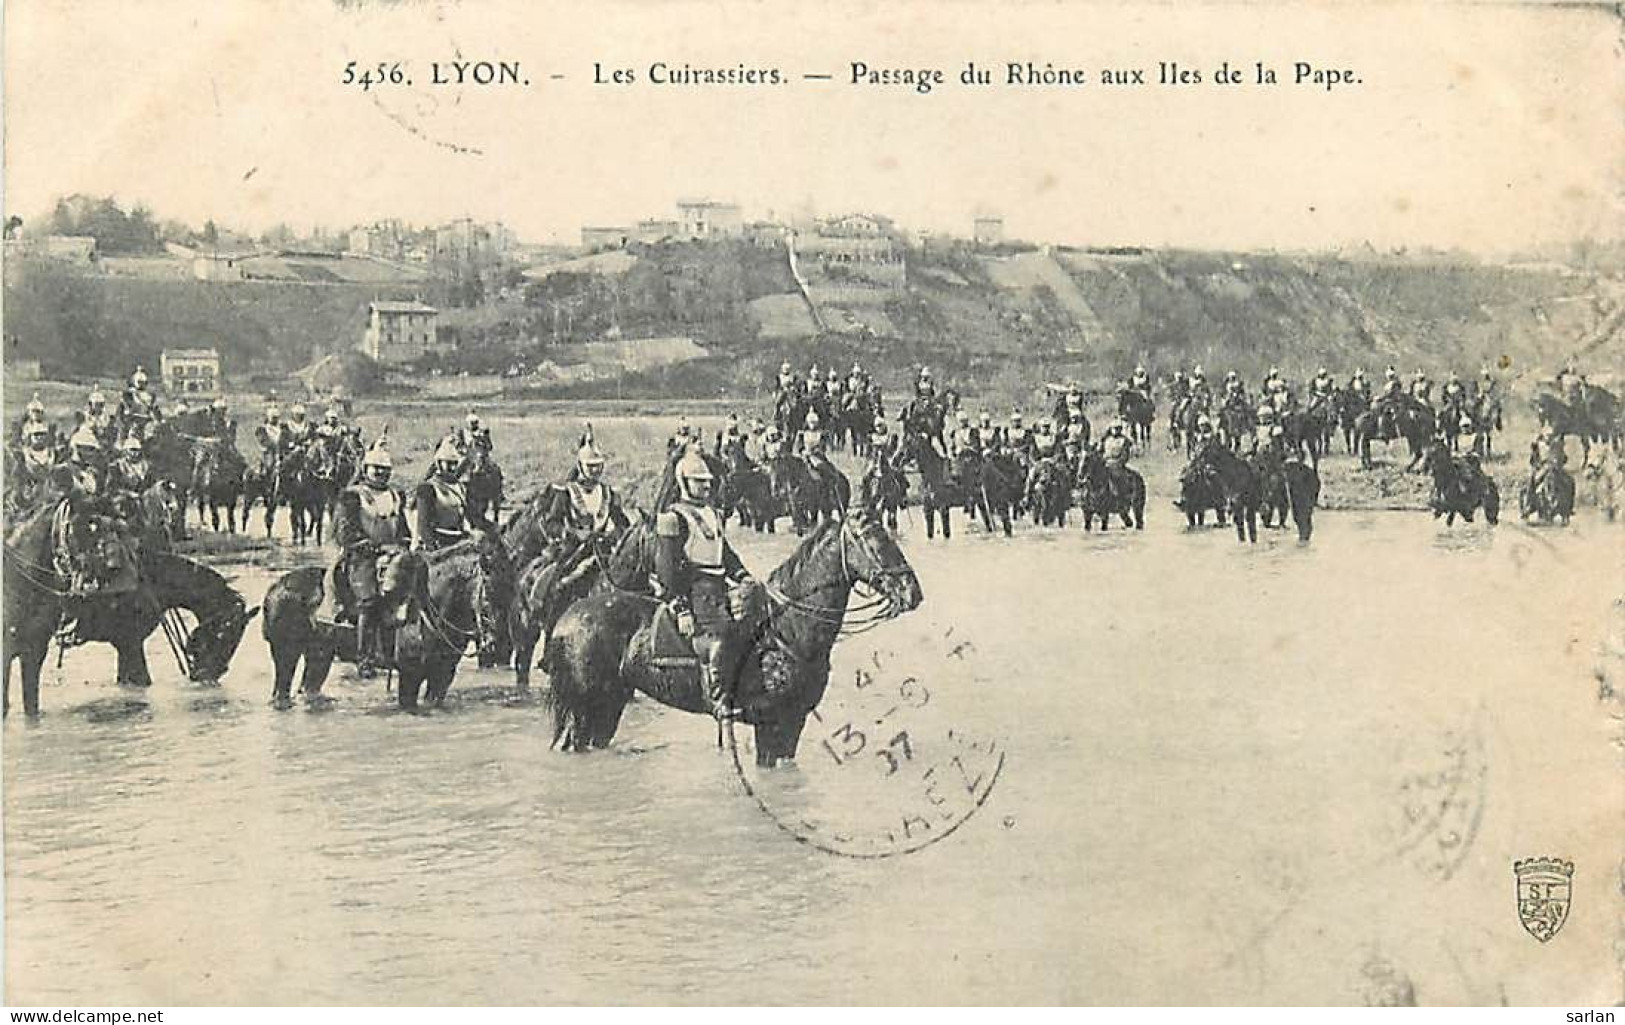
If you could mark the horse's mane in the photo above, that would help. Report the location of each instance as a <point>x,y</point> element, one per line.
<point>792,566</point>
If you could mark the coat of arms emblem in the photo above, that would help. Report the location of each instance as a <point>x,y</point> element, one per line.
<point>1544,893</point>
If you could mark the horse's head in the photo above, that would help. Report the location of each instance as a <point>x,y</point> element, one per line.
<point>214,641</point>
<point>871,557</point>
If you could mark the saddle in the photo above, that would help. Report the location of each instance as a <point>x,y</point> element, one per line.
<point>668,648</point>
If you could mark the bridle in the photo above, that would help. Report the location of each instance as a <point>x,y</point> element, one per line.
<point>875,607</point>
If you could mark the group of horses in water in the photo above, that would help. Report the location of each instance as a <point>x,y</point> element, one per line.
<point>514,593</point>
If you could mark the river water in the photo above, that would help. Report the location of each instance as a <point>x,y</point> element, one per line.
<point>1269,773</point>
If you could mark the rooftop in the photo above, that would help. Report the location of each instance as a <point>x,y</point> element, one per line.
<point>191,354</point>
<point>399,306</point>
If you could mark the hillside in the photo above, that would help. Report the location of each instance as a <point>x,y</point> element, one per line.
<point>999,324</point>
<point>75,323</point>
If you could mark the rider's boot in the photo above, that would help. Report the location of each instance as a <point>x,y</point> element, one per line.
<point>366,632</point>
<point>713,683</point>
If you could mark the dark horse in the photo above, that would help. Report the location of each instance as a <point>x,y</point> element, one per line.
<point>1101,493</point>
<point>440,601</point>
<point>1288,486</point>
<point>997,482</point>
<point>1455,490</point>
<point>601,649</point>
<point>1552,499</point>
<point>1592,414</point>
<point>1237,483</point>
<point>555,576</point>
<point>1409,418</point>
<point>939,490</point>
<point>264,483</point>
<point>883,490</point>
<point>36,597</point>
<point>217,480</point>
<point>1050,493</point>
<point>811,496</point>
<point>484,483</point>
<point>1138,411</point>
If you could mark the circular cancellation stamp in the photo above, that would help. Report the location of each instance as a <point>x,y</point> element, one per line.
<point>888,763</point>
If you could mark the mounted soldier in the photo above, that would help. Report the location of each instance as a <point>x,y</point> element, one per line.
<point>1200,393</point>
<point>130,473</point>
<point>34,467</point>
<point>922,417</point>
<point>1421,388</point>
<point>299,428</point>
<point>1570,383</point>
<point>885,447</point>
<point>1116,448</point>
<point>33,413</point>
<point>772,445</point>
<point>810,446</point>
<point>1388,403</point>
<point>1454,394</point>
<point>987,435</point>
<point>700,577</point>
<point>1546,456</point>
<point>585,507</point>
<point>1140,381</point>
<point>786,384</point>
<point>1070,400</point>
<point>1234,390</point>
<point>731,443</point>
<point>216,423</point>
<point>963,439</point>
<point>1267,441</point>
<point>331,429</point>
<point>1077,430</point>
<point>273,438</point>
<point>1321,388</point>
<point>96,417</point>
<point>138,409</point>
<point>473,434</point>
<point>370,525</point>
<point>1179,387</point>
<point>1360,387</point>
<point>681,438</point>
<point>857,382</point>
<point>1018,440</point>
<point>442,503</point>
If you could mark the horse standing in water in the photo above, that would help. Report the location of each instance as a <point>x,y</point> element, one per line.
<point>217,481</point>
<point>939,491</point>
<point>1100,495</point>
<point>601,650</point>
<point>440,601</point>
<point>36,597</point>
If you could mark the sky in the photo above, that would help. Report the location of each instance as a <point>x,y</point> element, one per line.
<point>1486,127</point>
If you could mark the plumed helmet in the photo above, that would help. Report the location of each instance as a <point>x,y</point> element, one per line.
<point>925,373</point>
<point>733,419</point>
<point>1230,375</point>
<point>812,418</point>
<point>378,455</point>
<point>131,444</point>
<point>1360,373</point>
<point>35,428</point>
<point>1196,371</point>
<point>1202,421</point>
<point>857,368</point>
<point>1275,371</point>
<point>880,427</point>
<point>1015,418</point>
<point>985,418</point>
<point>1116,426</point>
<point>1139,368</point>
<point>588,455</point>
<point>1045,423</point>
<point>298,410</point>
<point>784,368</point>
<point>35,406</point>
<point>139,378</point>
<point>273,411</point>
<point>693,466</point>
<point>833,375</point>
<point>447,452</point>
<point>180,409</point>
<point>962,416</point>
<point>84,437</point>
<point>1390,371</point>
<point>96,397</point>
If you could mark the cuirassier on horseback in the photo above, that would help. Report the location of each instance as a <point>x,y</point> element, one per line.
<point>701,578</point>
<point>441,501</point>
<point>370,525</point>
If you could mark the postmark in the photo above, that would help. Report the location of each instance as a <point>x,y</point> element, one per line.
<point>1442,803</point>
<point>891,762</point>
